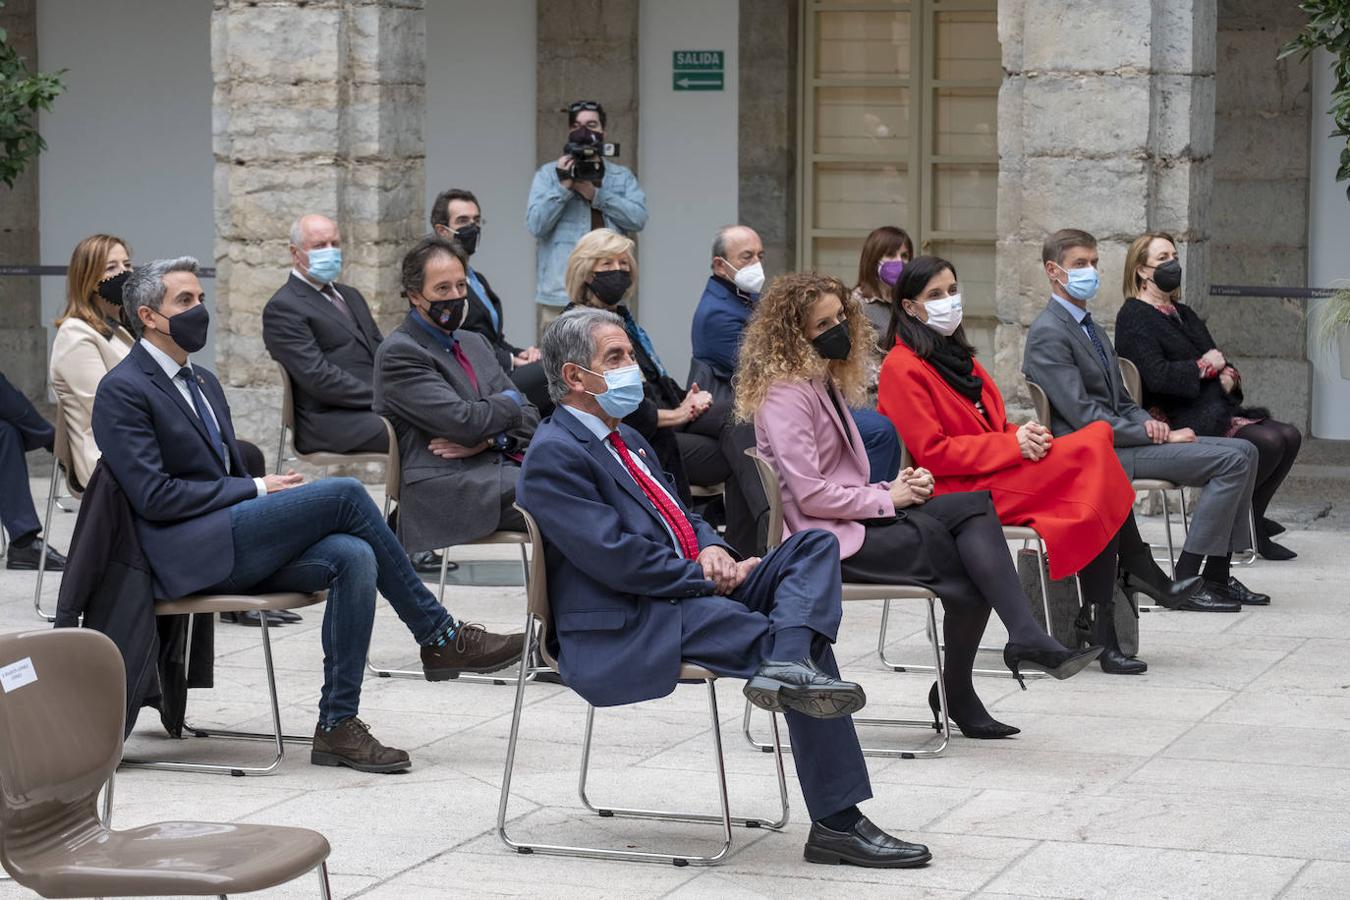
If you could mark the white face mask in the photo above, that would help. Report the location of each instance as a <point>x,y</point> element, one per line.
<point>750,278</point>
<point>944,316</point>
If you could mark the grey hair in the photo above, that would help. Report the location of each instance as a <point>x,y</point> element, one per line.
<point>571,339</point>
<point>720,241</point>
<point>297,233</point>
<point>145,287</point>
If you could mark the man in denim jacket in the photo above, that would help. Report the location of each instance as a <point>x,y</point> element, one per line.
<point>561,209</point>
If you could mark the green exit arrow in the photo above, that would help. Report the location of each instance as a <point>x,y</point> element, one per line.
<point>698,83</point>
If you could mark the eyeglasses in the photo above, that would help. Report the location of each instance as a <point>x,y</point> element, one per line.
<point>583,105</point>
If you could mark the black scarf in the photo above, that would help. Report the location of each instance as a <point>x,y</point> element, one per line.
<point>957,367</point>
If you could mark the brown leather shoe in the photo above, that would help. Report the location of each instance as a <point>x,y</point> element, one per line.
<point>475,649</point>
<point>351,744</point>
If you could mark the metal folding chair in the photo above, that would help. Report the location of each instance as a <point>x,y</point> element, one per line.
<point>322,459</point>
<point>539,611</point>
<point>209,604</point>
<point>61,462</point>
<point>854,592</point>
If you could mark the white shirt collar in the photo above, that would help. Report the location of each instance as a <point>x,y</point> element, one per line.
<point>310,281</point>
<point>166,362</point>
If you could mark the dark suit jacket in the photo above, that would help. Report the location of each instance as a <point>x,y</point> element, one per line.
<point>108,583</point>
<point>331,361</point>
<point>477,320</point>
<point>16,409</point>
<point>1165,351</point>
<point>615,578</point>
<point>424,391</point>
<point>178,487</point>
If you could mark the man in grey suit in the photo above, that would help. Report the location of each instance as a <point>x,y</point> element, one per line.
<point>1074,363</point>
<point>462,424</point>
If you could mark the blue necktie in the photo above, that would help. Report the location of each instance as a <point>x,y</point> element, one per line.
<point>204,413</point>
<point>1096,341</point>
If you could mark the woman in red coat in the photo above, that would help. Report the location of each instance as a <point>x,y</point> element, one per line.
<point>950,414</point>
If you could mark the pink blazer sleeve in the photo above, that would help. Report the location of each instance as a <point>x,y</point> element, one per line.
<point>788,423</point>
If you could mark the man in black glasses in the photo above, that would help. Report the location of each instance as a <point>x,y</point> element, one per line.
<point>581,191</point>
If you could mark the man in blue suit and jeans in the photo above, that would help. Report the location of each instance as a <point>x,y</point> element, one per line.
<point>638,583</point>
<point>205,527</point>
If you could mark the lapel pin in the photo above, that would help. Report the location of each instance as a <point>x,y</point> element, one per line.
<point>642,453</point>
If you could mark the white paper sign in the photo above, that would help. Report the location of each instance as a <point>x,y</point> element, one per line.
<point>17,674</point>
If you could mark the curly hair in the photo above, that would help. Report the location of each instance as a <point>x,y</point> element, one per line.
<point>775,347</point>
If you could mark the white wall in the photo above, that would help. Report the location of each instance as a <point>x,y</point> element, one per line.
<point>1328,261</point>
<point>480,135</point>
<point>688,166</point>
<point>129,142</point>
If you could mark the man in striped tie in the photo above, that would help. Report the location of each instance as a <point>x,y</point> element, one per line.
<point>637,584</point>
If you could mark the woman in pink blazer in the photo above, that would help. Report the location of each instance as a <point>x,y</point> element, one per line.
<point>810,342</point>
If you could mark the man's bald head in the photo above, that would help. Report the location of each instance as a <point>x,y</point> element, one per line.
<point>314,230</point>
<point>734,248</point>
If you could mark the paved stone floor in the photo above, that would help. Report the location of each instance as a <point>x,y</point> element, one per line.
<point>1223,772</point>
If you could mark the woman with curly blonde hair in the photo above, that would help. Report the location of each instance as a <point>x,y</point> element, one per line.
<point>806,353</point>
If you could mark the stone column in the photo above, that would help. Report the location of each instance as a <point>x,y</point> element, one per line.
<point>318,108</point>
<point>23,337</point>
<point>1106,123</point>
<point>768,130</point>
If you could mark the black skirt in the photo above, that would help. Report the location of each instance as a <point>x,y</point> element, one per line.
<point>917,548</point>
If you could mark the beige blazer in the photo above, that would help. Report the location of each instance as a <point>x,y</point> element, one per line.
<point>80,358</point>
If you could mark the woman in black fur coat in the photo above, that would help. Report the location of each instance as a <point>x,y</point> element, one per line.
<point>1187,380</point>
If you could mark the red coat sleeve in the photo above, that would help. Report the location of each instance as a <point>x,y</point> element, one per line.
<point>907,396</point>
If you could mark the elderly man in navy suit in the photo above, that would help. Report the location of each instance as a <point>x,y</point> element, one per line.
<point>205,527</point>
<point>638,583</point>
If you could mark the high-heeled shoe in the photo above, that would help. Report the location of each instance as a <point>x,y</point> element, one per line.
<point>1168,593</point>
<point>1058,664</point>
<point>993,730</point>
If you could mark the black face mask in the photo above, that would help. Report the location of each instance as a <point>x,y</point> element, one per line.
<point>448,314</point>
<point>1167,276</point>
<point>609,287</point>
<point>110,289</point>
<point>833,343</point>
<point>468,238</point>
<point>188,328</point>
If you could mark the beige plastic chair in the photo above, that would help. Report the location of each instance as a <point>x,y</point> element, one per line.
<point>60,740</point>
<point>538,610</point>
<point>61,462</point>
<point>322,459</point>
<point>854,591</point>
<point>210,604</point>
<point>393,477</point>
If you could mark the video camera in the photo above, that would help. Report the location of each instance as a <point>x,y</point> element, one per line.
<point>587,150</point>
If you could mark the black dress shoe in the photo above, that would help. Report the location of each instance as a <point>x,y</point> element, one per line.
<point>253,617</point>
<point>801,685</point>
<point>1116,663</point>
<point>1058,664</point>
<point>863,845</point>
<point>1168,593</point>
<point>1210,597</point>
<point>428,562</point>
<point>987,731</point>
<point>27,558</point>
<point>1270,528</point>
<point>283,617</point>
<point>1240,594</point>
<point>1268,549</point>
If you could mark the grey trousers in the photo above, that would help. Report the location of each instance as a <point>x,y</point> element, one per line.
<point>1225,471</point>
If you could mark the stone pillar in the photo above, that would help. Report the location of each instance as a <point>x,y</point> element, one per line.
<point>587,50</point>
<point>768,129</point>
<point>1261,163</point>
<point>1115,137</point>
<point>318,108</point>
<point>23,337</point>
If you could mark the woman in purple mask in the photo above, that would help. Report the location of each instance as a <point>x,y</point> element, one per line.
<point>885,254</point>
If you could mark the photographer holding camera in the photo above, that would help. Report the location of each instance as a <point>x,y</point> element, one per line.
<point>579,192</point>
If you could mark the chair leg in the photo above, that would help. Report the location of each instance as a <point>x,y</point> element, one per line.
<point>281,450</point>
<point>46,535</point>
<point>325,889</point>
<point>276,737</point>
<point>1248,557</point>
<point>1167,521</point>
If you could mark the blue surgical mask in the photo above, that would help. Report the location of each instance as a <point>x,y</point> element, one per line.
<point>325,263</point>
<point>623,391</point>
<point>1082,284</point>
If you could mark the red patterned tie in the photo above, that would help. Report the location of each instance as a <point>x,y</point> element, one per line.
<point>684,532</point>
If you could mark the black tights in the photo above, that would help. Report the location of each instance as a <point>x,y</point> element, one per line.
<point>1277,445</point>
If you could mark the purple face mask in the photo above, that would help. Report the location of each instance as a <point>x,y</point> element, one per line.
<point>890,270</point>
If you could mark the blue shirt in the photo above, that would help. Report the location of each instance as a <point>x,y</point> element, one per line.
<point>719,323</point>
<point>1078,312</point>
<point>482,295</point>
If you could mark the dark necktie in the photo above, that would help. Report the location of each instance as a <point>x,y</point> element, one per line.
<point>675,518</point>
<point>1096,341</point>
<point>331,294</point>
<point>465,364</point>
<point>204,413</point>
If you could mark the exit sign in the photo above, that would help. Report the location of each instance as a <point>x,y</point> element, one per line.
<point>698,70</point>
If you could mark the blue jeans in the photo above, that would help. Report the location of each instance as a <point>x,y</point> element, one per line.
<point>329,535</point>
<point>881,442</point>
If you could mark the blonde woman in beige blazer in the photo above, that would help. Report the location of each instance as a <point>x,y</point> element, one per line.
<point>89,339</point>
